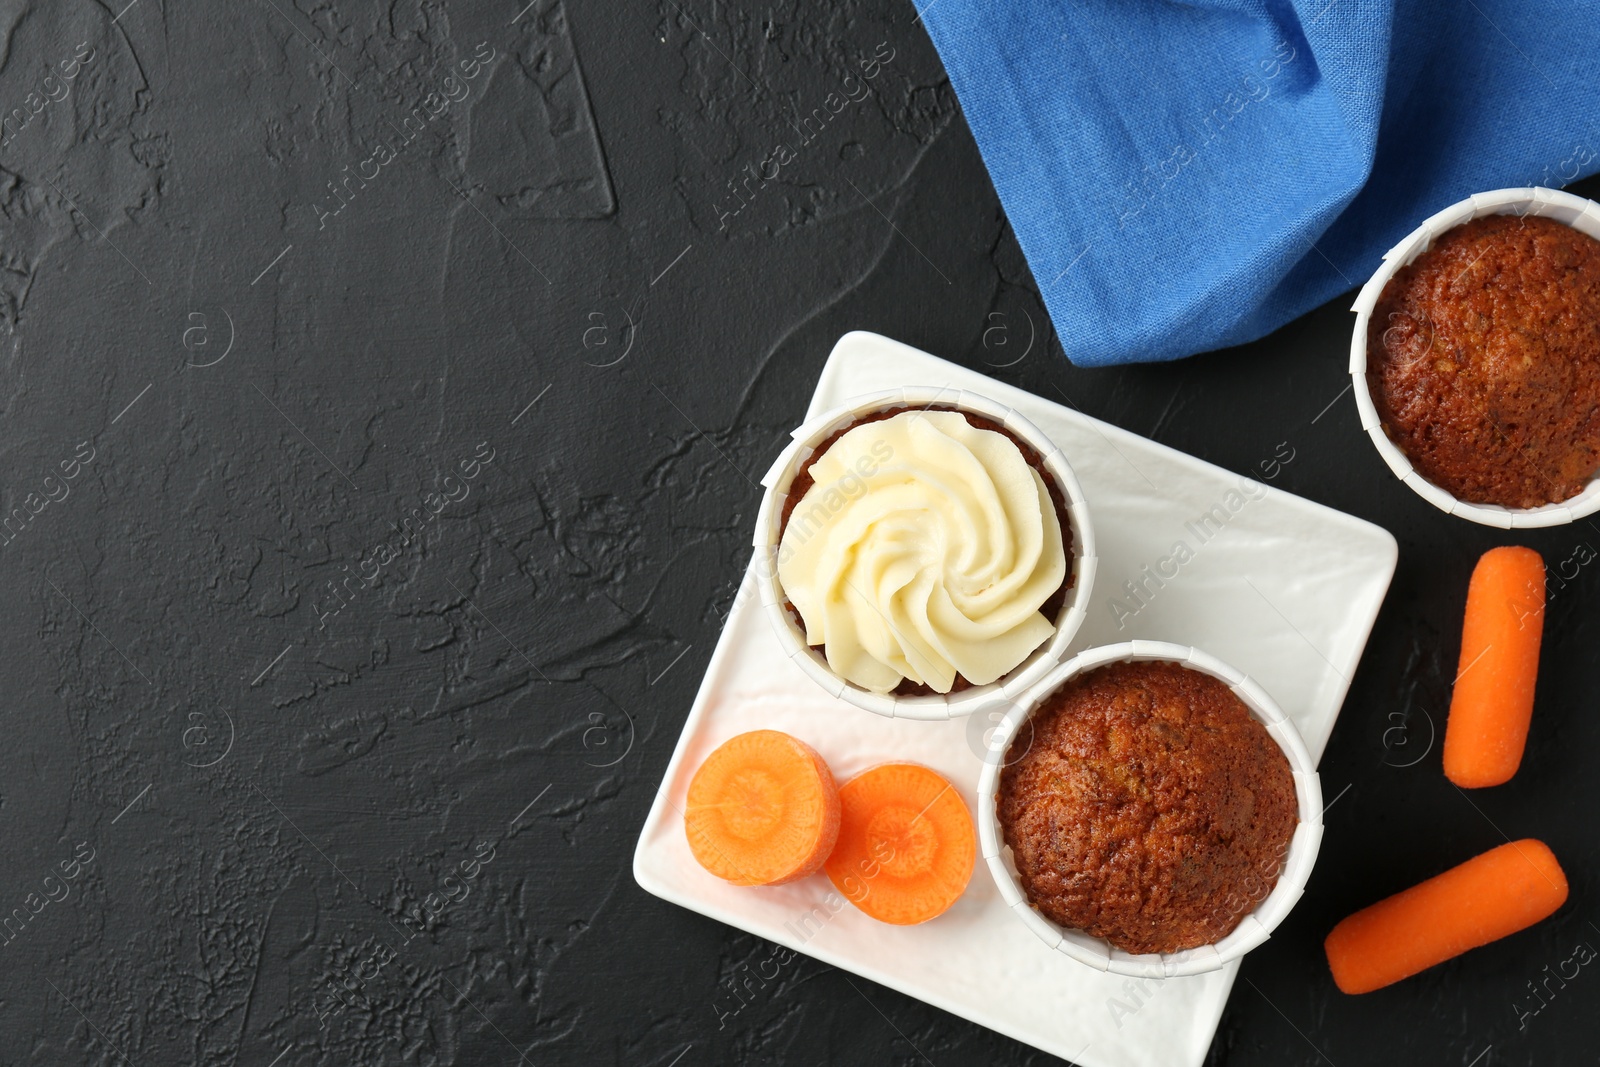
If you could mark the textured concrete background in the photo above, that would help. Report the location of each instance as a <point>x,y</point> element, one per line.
<point>384,389</point>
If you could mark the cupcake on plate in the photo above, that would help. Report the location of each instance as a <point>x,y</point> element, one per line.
<point>924,550</point>
<point>1147,809</point>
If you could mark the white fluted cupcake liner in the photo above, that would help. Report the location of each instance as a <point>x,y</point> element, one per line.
<point>934,706</point>
<point>1583,216</point>
<point>1256,926</point>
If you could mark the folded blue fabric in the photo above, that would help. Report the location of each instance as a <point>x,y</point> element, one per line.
<point>1187,176</point>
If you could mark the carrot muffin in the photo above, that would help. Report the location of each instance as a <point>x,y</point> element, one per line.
<point>1145,805</point>
<point>1484,361</point>
<point>925,550</point>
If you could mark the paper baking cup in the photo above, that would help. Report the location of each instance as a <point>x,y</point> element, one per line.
<point>936,705</point>
<point>1583,216</point>
<point>1256,926</point>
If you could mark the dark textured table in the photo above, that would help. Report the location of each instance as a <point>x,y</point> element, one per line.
<point>385,389</point>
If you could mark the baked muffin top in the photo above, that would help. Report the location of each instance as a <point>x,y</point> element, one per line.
<point>1144,804</point>
<point>1484,361</point>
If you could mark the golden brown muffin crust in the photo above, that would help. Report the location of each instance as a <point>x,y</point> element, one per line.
<point>1147,806</point>
<point>1484,361</point>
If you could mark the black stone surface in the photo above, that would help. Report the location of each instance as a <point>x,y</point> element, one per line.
<point>263,296</point>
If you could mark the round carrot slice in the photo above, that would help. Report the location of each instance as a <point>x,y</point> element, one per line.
<point>906,845</point>
<point>763,809</point>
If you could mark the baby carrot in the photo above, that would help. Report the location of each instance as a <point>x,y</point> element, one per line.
<point>906,844</point>
<point>763,809</point>
<point>1498,893</point>
<point>1493,699</point>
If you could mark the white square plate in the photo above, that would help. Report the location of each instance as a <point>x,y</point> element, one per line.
<point>1277,586</point>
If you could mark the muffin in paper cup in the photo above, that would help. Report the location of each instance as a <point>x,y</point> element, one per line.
<point>1256,925</point>
<point>1574,211</point>
<point>812,660</point>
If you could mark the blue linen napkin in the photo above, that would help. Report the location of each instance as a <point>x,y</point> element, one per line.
<point>1188,176</point>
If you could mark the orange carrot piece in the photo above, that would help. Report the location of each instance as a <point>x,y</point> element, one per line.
<point>763,809</point>
<point>1493,699</point>
<point>1484,899</point>
<point>906,844</point>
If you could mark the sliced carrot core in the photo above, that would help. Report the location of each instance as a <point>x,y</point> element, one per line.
<point>906,844</point>
<point>763,809</point>
<point>754,804</point>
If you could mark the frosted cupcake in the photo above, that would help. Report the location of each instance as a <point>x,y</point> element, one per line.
<point>925,551</point>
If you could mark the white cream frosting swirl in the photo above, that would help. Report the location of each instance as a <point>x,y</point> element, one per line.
<point>924,549</point>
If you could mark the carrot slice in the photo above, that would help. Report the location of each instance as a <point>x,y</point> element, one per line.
<point>906,845</point>
<point>763,809</point>
<point>1493,700</point>
<point>1498,893</point>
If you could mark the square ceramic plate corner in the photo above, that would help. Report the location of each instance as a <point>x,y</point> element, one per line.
<point>1253,558</point>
